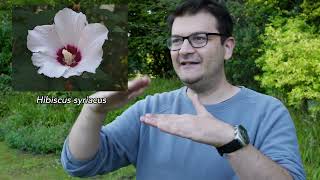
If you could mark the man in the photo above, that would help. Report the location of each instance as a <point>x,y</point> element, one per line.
<point>209,129</point>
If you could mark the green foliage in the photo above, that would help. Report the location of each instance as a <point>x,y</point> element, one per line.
<point>5,49</point>
<point>241,68</point>
<point>42,128</point>
<point>9,3</point>
<point>5,56</point>
<point>148,30</point>
<point>5,83</point>
<point>311,12</point>
<point>250,18</point>
<point>291,62</point>
<point>308,132</point>
<point>37,139</point>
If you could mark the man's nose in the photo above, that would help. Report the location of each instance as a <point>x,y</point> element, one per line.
<point>186,47</point>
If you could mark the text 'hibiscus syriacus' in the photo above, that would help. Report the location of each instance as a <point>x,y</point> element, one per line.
<point>68,47</point>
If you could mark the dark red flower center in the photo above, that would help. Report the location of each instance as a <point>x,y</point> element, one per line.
<point>69,56</point>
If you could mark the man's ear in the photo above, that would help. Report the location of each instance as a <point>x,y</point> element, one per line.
<point>229,44</point>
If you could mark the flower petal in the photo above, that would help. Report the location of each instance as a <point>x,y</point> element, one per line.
<point>90,45</point>
<point>69,25</point>
<point>44,39</point>
<point>80,68</point>
<point>49,66</point>
<point>71,72</point>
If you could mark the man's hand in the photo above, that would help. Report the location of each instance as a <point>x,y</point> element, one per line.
<point>117,99</point>
<point>84,137</point>
<point>203,127</point>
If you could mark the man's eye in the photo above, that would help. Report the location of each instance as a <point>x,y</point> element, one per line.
<point>176,41</point>
<point>199,38</point>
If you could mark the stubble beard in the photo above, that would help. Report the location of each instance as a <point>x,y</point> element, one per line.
<point>202,82</point>
<point>190,81</point>
<point>193,83</point>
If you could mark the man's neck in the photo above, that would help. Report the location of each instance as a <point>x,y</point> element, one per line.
<point>215,92</point>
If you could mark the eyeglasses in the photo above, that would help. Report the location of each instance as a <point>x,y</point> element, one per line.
<point>197,40</point>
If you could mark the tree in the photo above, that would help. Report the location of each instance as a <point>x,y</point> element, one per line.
<point>148,31</point>
<point>250,18</point>
<point>5,50</point>
<point>291,63</point>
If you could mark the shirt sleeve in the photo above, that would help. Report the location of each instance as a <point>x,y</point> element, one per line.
<point>277,140</point>
<point>118,147</point>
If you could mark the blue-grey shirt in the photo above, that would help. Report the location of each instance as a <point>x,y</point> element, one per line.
<point>158,155</point>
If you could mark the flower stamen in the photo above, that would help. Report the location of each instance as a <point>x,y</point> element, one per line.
<point>68,57</point>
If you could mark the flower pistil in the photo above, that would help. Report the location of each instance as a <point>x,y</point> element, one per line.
<point>69,56</point>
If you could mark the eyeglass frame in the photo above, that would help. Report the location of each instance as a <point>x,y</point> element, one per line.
<point>187,37</point>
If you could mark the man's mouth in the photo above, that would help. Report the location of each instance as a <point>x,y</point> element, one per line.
<point>189,63</point>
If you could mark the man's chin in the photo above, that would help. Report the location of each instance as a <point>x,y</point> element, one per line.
<point>190,81</point>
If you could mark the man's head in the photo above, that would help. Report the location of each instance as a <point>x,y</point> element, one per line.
<point>201,39</point>
<point>192,7</point>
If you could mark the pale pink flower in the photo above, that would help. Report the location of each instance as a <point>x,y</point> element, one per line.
<point>68,47</point>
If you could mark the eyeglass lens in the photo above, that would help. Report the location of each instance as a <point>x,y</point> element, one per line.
<point>196,41</point>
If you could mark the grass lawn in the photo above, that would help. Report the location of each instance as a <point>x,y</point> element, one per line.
<point>308,133</point>
<point>16,165</point>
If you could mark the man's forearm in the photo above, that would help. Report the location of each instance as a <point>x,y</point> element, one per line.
<point>84,138</point>
<point>251,164</point>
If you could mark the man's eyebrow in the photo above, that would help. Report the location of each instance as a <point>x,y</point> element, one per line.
<point>175,35</point>
<point>197,32</point>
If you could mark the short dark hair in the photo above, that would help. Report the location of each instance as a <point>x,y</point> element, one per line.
<point>219,11</point>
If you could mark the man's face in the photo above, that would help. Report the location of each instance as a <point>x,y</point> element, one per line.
<point>195,65</point>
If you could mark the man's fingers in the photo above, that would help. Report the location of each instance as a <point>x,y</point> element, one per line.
<point>179,125</point>
<point>197,104</point>
<point>154,119</point>
<point>137,84</point>
<point>149,119</point>
<point>135,94</point>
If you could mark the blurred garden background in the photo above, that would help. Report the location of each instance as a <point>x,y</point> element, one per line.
<point>277,53</point>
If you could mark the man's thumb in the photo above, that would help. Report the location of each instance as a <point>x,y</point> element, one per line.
<point>197,104</point>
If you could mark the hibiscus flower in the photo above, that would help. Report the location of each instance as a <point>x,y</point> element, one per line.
<point>68,47</point>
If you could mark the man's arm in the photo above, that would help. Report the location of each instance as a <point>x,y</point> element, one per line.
<point>248,162</point>
<point>84,136</point>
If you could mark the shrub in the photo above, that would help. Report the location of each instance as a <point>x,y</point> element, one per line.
<point>5,36</point>
<point>291,63</point>
<point>39,139</point>
<point>42,128</point>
